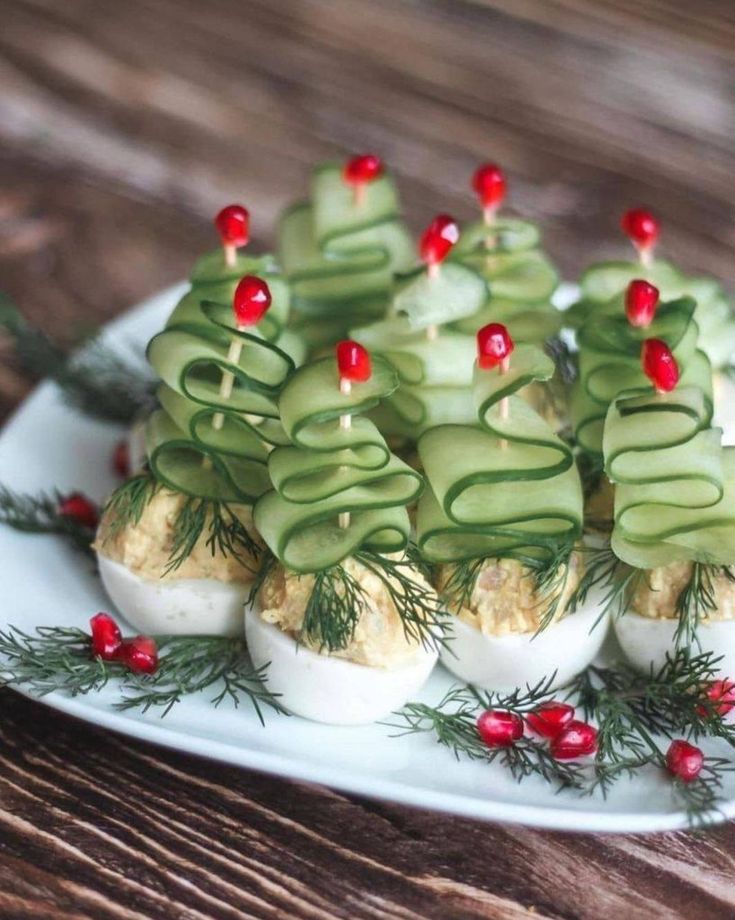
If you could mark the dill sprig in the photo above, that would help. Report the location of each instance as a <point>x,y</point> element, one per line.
<point>226,534</point>
<point>60,658</point>
<point>129,500</point>
<point>453,722</point>
<point>565,360</point>
<point>697,600</point>
<point>334,607</point>
<point>616,582</point>
<point>98,380</point>
<point>40,514</point>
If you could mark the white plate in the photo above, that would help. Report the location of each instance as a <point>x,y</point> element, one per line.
<point>46,445</point>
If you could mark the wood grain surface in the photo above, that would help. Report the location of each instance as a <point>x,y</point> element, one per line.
<point>123,127</point>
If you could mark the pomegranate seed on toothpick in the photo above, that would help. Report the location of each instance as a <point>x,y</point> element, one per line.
<point>659,365</point>
<point>642,229</point>
<point>576,740</point>
<point>251,301</point>
<point>549,719</point>
<point>499,728</point>
<point>489,184</point>
<point>360,170</point>
<point>684,760</point>
<point>494,347</point>
<point>233,226</point>
<point>641,300</point>
<point>354,366</point>
<point>437,241</point>
<point>106,637</point>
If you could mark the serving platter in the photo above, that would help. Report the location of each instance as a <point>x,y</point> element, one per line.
<point>46,444</point>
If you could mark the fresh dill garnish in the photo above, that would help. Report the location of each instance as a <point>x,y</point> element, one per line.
<point>127,503</point>
<point>225,533</point>
<point>453,722</point>
<point>616,582</point>
<point>97,379</point>
<point>334,606</point>
<point>59,658</point>
<point>41,514</point>
<point>565,360</point>
<point>697,600</point>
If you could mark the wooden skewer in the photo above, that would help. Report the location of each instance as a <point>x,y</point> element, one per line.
<point>345,422</point>
<point>504,402</point>
<point>230,255</point>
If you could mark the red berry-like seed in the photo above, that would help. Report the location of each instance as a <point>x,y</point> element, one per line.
<point>576,740</point>
<point>499,728</point>
<point>78,507</point>
<point>722,694</point>
<point>121,459</point>
<point>684,760</point>
<point>233,225</point>
<point>353,361</point>
<point>140,654</point>
<point>251,301</point>
<point>659,365</point>
<point>641,300</point>
<point>438,239</point>
<point>641,227</point>
<point>494,345</point>
<point>488,183</point>
<point>361,169</point>
<point>106,637</point>
<point>550,718</point>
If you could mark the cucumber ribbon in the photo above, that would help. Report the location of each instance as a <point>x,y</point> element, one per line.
<point>188,450</point>
<point>340,257</point>
<point>328,470</point>
<point>602,284</point>
<point>609,363</point>
<point>674,482</point>
<point>504,486</point>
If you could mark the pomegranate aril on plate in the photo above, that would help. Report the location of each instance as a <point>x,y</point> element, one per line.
<point>499,728</point>
<point>684,760</point>
<point>722,695</point>
<point>233,225</point>
<point>80,509</point>
<point>251,300</point>
<point>659,365</point>
<point>494,345</point>
<point>438,238</point>
<point>140,654</point>
<point>549,719</point>
<point>641,300</point>
<point>353,361</point>
<point>106,637</point>
<point>577,739</point>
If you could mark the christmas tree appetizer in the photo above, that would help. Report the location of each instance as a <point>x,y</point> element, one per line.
<point>500,521</point>
<point>601,283</point>
<point>674,530</point>
<point>341,248</point>
<point>433,361</point>
<point>176,547</point>
<point>344,613</point>
<point>506,252</point>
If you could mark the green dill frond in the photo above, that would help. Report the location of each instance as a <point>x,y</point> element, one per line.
<point>225,533</point>
<point>616,581</point>
<point>55,658</point>
<point>97,380</point>
<point>697,600</point>
<point>127,503</point>
<point>565,360</point>
<point>40,514</point>
<point>459,587</point>
<point>334,607</point>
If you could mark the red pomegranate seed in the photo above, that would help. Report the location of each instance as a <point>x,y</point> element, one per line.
<point>488,183</point>
<point>576,740</point>
<point>121,459</point>
<point>438,239</point>
<point>362,169</point>
<point>78,507</point>
<point>499,728</point>
<point>641,300</point>
<point>494,345</point>
<point>353,361</point>
<point>106,637</point>
<point>722,693</point>
<point>641,227</point>
<point>233,225</point>
<point>550,718</point>
<point>659,365</point>
<point>251,301</point>
<point>684,760</point>
<point>140,654</point>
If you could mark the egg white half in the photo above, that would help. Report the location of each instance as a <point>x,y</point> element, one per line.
<point>327,689</point>
<point>646,641</point>
<point>177,607</point>
<point>514,660</point>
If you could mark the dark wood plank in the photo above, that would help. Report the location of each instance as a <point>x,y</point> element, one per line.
<point>123,127</point>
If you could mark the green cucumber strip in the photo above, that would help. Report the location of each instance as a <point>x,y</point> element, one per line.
<point>337,218</point>
<point>528,276</point>
<point>456,292</point>
<point>507,234</point>
<point>605,280</point>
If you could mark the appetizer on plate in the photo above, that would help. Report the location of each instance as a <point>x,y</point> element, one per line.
<point>500,520</point>
<point>344,615</point>
<point>176,545</point>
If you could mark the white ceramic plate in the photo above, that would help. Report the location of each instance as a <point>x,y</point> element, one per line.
<point>46,445</point>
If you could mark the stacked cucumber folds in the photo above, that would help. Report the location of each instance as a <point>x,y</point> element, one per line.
<point>674,522</point>
<point>432,360</point>
<point>500,520</point>
<point>223,357</point>
<point>341,248</point>
<point>601,284</point>
<point>339,494</point>
<point>507,253</point>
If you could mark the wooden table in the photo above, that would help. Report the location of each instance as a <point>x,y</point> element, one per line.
<point>124,126</point>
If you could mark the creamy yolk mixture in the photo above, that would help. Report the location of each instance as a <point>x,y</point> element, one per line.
<point>657,594</point>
